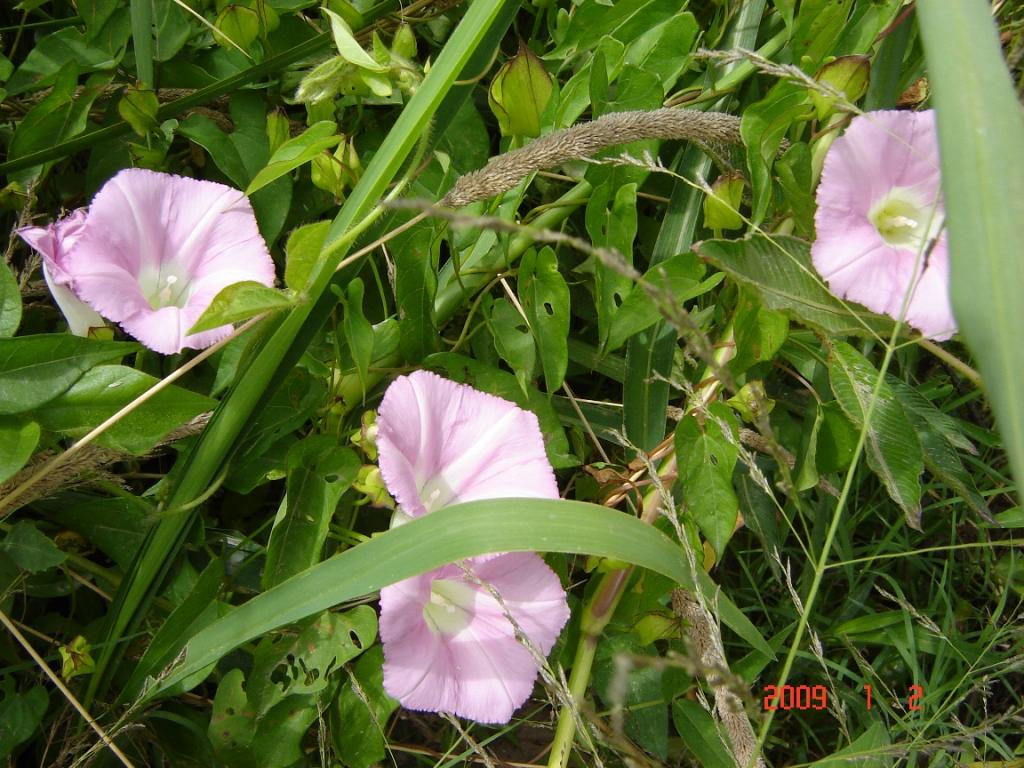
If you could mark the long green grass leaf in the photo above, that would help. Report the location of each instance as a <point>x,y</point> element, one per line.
<point>981,141</point>
<point>450,534</point>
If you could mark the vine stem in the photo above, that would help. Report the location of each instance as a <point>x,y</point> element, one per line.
<point>601,606</point>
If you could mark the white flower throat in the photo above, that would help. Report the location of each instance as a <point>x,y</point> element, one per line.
<point>167,286</point>
<point>450,608</point>
<point>904,220</point>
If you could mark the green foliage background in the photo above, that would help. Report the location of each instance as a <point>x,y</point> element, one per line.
<point>201,574</point>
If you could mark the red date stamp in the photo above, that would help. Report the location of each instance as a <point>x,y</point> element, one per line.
<point>808,697</point>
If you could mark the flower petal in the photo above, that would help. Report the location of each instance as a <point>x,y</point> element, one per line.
<point>482,672</point>
<point>52,242</point>
<point>442,443</point>
<point>153,235</point>
<point>879,153</point>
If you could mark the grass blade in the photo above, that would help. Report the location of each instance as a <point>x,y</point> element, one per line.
<point>981,141</point>
<point>450,534</point>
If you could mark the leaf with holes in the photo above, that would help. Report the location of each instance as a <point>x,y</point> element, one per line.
<point>319,472</point>
<point>545,298</point>
<point>611,223</point>
<point>513,341</point>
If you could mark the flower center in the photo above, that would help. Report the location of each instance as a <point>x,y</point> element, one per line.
<point>903,221</point>
<point>450,608</point>
<point>167,287</point>
<point>436,493</point>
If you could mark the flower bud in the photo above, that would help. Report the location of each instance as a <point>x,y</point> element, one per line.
<point>519,93</point>
<point>721,207</point>
<point>849,75</point>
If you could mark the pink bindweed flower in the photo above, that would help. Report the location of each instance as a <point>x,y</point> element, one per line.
<point>448,644</point>
<point>155,249</point>
<point>880,219</point>
<point>53,243</point>
<point>442,443</point>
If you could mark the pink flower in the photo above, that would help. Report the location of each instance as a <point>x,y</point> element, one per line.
<point>880,220</point>
<point>442,443</point>
<point>448,645</point>
<point>53,243</point>
<point>155,249</point>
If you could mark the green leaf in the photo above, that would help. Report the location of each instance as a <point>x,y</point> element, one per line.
<point>868,750</point>
<point>892,446</point>
<point>31,549</point>
<point>981,140</point>
<point>35,369</point>
<point>625,21</point>
<point>95,14</point>
<point>817,27</point>
<point>415,289</point>
<point>10,302</point>
<point>60,116</point>
<point>940,456</point>
<point>360,712</point>
<point>138,108</point>
<point>116,526</point>
<point>204,132</point>
<point>237,27</point>
<point>296,152</point>
<point>444,536</point>
<point>678,275</point>
<point>309,661</point>
<point>319,472</point>
<point>759,334</point>
<point>171,29</point>
<point>49,55</point>
<point>20,714</point>
<point>232,721</point>
<point>238,302</point>
<point>358,330</point>
<point>264,723</point>
<point>196,611</point>
<point>513,341</point>
<point>763,127</point>
<point>545,299</point>
<point>707,456</point>
<point>303,251</point>
<point>347,45</point>
<point>664,49</point>
<point>104,390</point>
<point>793,170</point>
<point>699,732</point>
<point>611,223</point>
<point>18,439</point>
<point>645,391</point>
<point>779,269</point>
<point>142,42</point>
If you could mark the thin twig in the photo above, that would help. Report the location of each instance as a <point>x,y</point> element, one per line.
<point>55,679</point>
<point>7,502</point>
